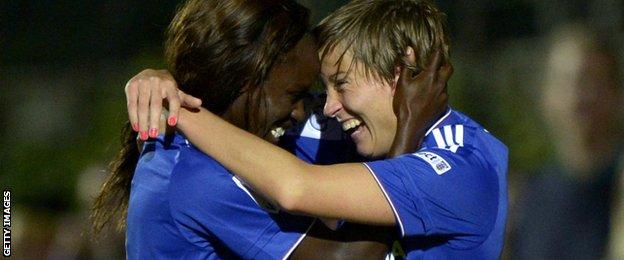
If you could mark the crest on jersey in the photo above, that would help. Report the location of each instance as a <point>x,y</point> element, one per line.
<point>439,165</point>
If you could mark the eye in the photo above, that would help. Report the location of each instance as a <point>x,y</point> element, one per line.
<point>296,96</point>
<point>340,85</point>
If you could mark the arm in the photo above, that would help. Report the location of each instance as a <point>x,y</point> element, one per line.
<point>351,241</point>
<point>343,191</point>
<point>289,182</point>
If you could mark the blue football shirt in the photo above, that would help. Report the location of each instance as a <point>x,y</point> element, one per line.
<point>450,197</point>
<point>185,205</point>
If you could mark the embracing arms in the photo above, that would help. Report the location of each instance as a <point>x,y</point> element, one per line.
<point>344,191</point>
<point>418,100</point>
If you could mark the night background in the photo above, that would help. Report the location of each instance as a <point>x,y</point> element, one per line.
<point>64,64</point>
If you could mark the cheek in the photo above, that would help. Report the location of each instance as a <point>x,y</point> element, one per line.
<point>278,108</point>
<point>372,99</point>
<point>357,100</point>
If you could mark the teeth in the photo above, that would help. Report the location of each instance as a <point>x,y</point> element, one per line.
<point>350,124</point>
<point>278,132</point>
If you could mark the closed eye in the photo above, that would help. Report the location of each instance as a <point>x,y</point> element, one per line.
<point>340,85</point>
<point>296,96</point>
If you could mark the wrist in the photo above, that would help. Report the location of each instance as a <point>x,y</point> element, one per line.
<point>406,112</point>
<point>184,118</point>
<point>407,119</point>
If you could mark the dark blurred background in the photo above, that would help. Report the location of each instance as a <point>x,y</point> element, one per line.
<point>544,76</point>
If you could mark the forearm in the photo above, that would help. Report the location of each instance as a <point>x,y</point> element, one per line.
<point>285,180</point>
<point>409,134</point>
<point>352,241</point>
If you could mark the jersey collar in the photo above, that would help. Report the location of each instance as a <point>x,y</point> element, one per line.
<point>437,123</point>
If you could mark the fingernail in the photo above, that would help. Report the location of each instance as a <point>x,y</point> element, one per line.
<point>135,127</point>
<point>153,132</point>
<point>409,51</point>
<point>172,121</point>
<point>143,135</point>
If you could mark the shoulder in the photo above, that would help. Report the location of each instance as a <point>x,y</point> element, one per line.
<point>450,190</point>
<point>462,155</point>
<point>195,163</point>
<point>463,165</point>
<point>196,178</point>
<point>465,138</point>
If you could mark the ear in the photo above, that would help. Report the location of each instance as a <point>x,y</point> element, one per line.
<point>395,81</point>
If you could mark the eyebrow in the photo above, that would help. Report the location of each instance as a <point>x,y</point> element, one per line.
<point>334,77</point>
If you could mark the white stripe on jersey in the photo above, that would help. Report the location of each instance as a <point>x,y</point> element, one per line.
<point>459,134</point>
<point>451,140</point>
<point>293,247</point>
<point>438,138</point>
<point>396,213</point>
<point>448,135</point>
<point>265,205</point>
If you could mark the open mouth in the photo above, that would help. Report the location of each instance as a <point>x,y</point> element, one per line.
<point>278,132</point>
<point>352,126</point>
<point>280,128</point>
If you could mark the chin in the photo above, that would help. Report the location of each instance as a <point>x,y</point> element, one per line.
<point>365,150</point>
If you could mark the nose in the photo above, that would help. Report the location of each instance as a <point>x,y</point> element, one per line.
<point>332,104</point>
<point>298,112</point>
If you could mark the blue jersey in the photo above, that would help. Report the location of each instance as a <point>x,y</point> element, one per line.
<point>185,205</point>
<point>450,197</point>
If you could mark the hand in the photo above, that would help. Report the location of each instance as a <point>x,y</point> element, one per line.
<point>145,93</point>
<point>418,101</point>
<point>423,95</point>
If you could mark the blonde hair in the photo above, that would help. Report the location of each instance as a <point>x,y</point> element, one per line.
<point>377,33</point>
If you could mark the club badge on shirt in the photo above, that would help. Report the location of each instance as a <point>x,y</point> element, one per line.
<point>439,165</point>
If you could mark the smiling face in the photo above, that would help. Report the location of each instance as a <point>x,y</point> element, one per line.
<point>277,104</point>
<point>376,34</point>
<point>361,103</point>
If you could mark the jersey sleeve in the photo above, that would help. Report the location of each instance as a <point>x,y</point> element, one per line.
<point>438,192</point>
<point>211,208</point>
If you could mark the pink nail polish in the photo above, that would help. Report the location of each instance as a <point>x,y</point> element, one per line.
<point>143,135</point>
<point>135,127</point>
<point>153,132</point>
<point>172,121</point>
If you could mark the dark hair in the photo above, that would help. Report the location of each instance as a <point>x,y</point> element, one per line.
<point>112,202</point>
<point>214,49</point>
